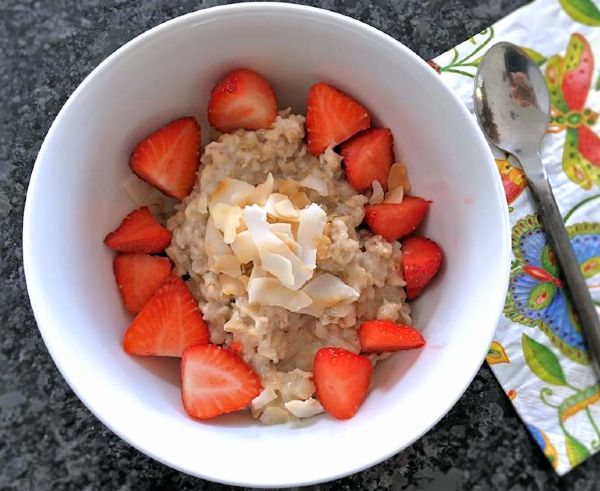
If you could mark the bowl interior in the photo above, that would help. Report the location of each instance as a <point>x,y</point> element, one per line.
<point>76,197</point>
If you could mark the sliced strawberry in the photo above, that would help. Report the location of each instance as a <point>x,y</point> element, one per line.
<point>421,260</point>
<point>332,117</point>
<point>139,232</point>
<point>216,381</point>
<point>341,380</point>
<point>169,158</point>
<point>138,277</point>
<point>368,157</point>
<point>169,323</point>
<point>378,336</point>
<point>393,221</point>
<point>243,99</point>
<point>236,347</point>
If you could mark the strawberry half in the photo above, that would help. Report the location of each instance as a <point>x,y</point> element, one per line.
<point>332,117</point>
<point>393,221</point>
<point>380,335</point>
<point>421,260</point>
<point>216,381</point>
<point>138,277</point>
<point>169,158</point>
<point>139,232</point>
<point>243,99</point>
<point>341,380</point>
<point>368,157</point>
<point>169,323</point>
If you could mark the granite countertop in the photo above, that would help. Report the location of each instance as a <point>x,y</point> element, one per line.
<point>48,439</point>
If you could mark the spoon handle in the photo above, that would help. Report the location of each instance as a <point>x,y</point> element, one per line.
<point>561,245</point>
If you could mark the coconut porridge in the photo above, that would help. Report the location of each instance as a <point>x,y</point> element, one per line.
<point>291,250</point>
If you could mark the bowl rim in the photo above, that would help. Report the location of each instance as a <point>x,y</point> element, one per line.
<point>36,301</point>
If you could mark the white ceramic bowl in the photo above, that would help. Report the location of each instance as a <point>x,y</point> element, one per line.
<point>75,198</point>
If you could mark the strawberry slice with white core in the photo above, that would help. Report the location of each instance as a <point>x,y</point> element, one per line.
<point>168,324</point>
<point>139,232</point>
<point>393,221</point>
<point>368,157</point>
<point>242,99</point>
<point>332,117</point>
<point>341,380</point>
<point>421,260</point>
<point>169,157</point>
<point>216,381</point>
<point>138,276</point>
<point>379,336</point>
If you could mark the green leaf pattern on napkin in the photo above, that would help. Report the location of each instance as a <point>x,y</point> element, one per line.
<point>584,11</point>
<point>576,451</point>
<point>542,362</point>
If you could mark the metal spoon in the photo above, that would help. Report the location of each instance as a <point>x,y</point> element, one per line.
<point>513,109</point>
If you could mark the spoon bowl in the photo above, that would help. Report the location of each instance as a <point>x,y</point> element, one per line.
<point>511,99</point>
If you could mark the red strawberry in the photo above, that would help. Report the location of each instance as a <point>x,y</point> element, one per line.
<point>236,347</point>
<point>216,381</point>
<point>341,380</point>
<point>393,221</point>
<point>368,157</point>
<point>377,336</point>
<point>138,277</point>
<point>332,117</point>
<point>139,232</point>
<point>169,323</point>
<point>421,260</point>
<point>169,158</point>
<point>243,99</point>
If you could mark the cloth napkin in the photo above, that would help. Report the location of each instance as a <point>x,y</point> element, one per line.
<point>539,355</point>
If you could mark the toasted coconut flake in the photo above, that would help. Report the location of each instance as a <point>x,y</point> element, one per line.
<point>213,239</point>
<point>243,247</point>
<point>316,184</point>
<point>377,195</point>
<point>304,409</point>
<point>278,266</point>
<point>310,230</point>
<point>258,195</point>
<point>143,194</point>
<point>287,186</point>
<point>327,290</point>
<point>244,279</point>
<point>279,206</point>
<point>281,228</point>
<point>231,286</point>
<point>395,196</point>
<point>226,189</point>
<point>227,264</point>
<point>257,272</point>
<point>286,209</point>
<point>267,242</point>
<point>300,200</point>
<point>398,177</point>
<point>270,291</point>
<point>227,219</point>
<point>262,399</point>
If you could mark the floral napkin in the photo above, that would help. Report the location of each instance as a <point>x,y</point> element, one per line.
<point>539,355</point>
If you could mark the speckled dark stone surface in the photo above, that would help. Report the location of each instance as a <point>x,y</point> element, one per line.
<point>48,439</point>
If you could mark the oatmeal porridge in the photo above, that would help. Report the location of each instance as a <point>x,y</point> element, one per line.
<point>356,277</point>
